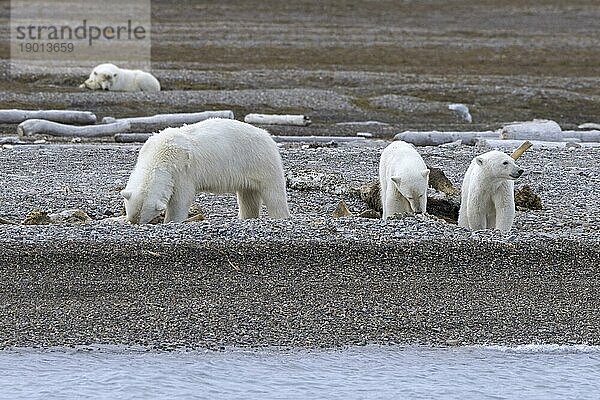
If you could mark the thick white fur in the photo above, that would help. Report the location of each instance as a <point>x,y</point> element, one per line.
<point>487,194</point>
<point>404,178</point>
<point>111,77</point>
<point>216,155</point>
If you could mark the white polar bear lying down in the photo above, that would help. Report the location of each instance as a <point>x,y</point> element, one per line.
<point>111,77</point>
<point>216,155</point>
<point>487,194</point>
<point>404,178</point>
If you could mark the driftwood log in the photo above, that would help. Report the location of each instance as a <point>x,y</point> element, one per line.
<point>132,137</point>
<point>589,125</point>
<point>521,149</point>
<point>511,144</point>
<point>11,140</point>
<point>64,116</point>
<point>538,129</point>
<point>274,119</point>
<point>33,127</point>
<point>161,121</point>
<point>583,136</point>
<point>316,139</point>
<point>435,138</point>
<point>142,137</point>
<point>547,131</point>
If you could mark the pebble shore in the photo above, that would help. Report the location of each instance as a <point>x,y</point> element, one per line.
<point>310,281</point>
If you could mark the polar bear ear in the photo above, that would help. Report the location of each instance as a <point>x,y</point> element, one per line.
<point>126,194</point>
<point>425,173</point>
<point>479,160</point>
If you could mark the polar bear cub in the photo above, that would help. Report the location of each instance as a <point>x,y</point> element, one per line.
<point>487,194</point>
<point>216,155</point>
<point>111,77</point>
<point>404,179</point>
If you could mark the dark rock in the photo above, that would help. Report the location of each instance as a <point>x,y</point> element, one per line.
<point>37,217</point>
<point>341,210</point>
<point>370,213</point>
<point>441,183</point>
<point>526,199</point>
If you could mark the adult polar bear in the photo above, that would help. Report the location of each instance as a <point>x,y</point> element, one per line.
<point>215,155</point>
<point>404,179</point>
<point>488,192</point>
<point>111,77</point>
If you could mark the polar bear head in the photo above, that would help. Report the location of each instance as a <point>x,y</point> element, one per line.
<point>413,187</point>
<point>141,208</point>
<point>496,164</point>
<point>103,76</point>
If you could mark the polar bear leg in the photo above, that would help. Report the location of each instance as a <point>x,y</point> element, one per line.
<point>395,203</point>
<point>505,217</point>
<point>505,207</point>
<point>249,203</point>
<point>477,219</point>
<point>490,220</point>
<point>276,202</point>
<point>179,204</point>
<point>463,212</point>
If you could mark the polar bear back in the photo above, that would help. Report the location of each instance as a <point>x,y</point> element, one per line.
<point>218,149</point>
<point>402,158</point>
<point>403,176</point>
<point>216,155</point>
<point>213,152</point>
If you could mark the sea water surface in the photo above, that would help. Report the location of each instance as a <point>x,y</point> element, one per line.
<point>370,372</point>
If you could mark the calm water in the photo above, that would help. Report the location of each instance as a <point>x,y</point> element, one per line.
<point>530,372</point>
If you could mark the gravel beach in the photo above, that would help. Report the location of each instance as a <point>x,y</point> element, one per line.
<point>309,281</point>
<point>314,280</point>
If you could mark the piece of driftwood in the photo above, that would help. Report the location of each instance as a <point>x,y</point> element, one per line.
<point>132,137</point>
<point>512,144</point>
<point>325,140</point>
<point>275,119</point>
<point>317,139</point>
<point>538,129</point>
<point>64,116</point>
<point>33,127</point>
<point>591,136</point>
<point>440,182</point>
<point>446,209</point>
<point>160,121</point>
<point>11,140</point>
<point>435,138</point>
<point>521,149</point>
<point>589,125</point>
